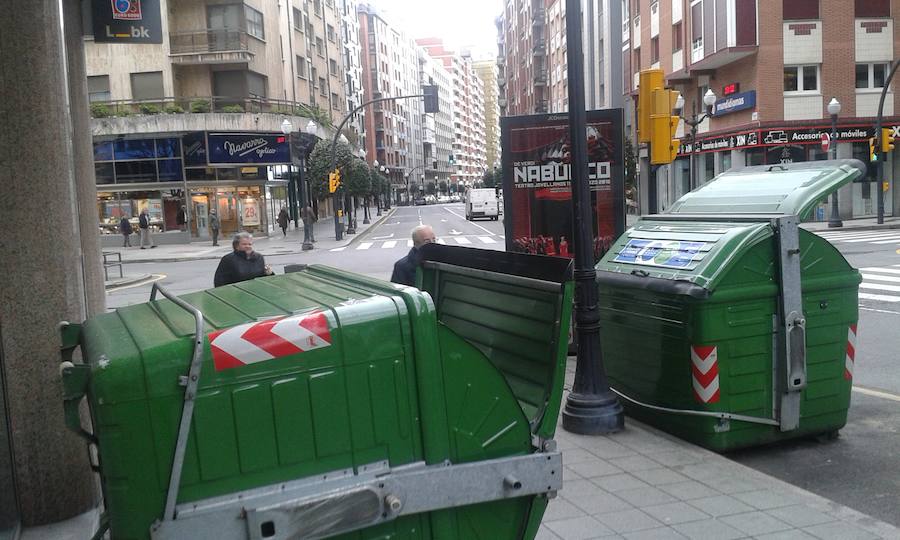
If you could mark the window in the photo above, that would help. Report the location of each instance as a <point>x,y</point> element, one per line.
<point>870,75</point>
<point>256,85</point>
<point>147,85</point>
<point>677,38</point>
<point>320,47</point>
<point>323,90</point>
<point>801,9</point>
<point>872,8</point>
<point>298,20</point>
<point>255,25</point>
<point>335,102</point>
<point>637,60</point>
<point>333,67</point>
<point>317,7</point>
<point>654,50</point>
<point>329,32</point>
<point>801,78</point>
<point>301,67</point>
<point>98,88</point>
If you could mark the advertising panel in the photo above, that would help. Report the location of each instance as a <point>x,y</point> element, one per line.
<point>126,21</point>
<point>538,214</point>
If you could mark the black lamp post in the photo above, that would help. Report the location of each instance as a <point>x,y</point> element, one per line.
<point>834,109</point>
<point>300,190</point>
<point>709,98</point>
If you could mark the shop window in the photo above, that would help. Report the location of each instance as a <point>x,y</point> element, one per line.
<point>872,8</point>
<point>801,9</point>
<point>168,148</point>
<point>103,151</point>
<point>98,88</point>
<point>200,173</point>
<point>105,173</point>
<point>870,76</point>
<point>134,149</point>
<point>148,85</point>
<point>169,170</point>
<point>801,79</point>
<point>255,26</point>
<point>129,172</point>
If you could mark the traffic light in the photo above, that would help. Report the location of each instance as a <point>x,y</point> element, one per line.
<point>334,180</point>
<point>432,105</point>
<point>873,149</point>
<point>663,125</point>
<point>650,80</point>
<point>887,141</point>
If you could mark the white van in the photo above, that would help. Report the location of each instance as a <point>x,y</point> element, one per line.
<point>482,203</point>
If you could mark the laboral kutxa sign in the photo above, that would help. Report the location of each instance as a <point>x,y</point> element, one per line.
<point>126,21</point>
<point>247,149</point>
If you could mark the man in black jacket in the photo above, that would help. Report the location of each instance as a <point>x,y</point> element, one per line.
<point>405,268</point>
<point>241,264</point>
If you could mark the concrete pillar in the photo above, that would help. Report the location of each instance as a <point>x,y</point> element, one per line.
<point>845,194</point>
<point>738,160</point>
<point>83,155</point>
<point>41,265</point>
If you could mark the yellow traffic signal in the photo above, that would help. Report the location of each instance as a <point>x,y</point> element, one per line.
<point>663,125</point>
<point>887,141</point>
<point>334,180</point>
<point>873,150</point>
<point>650,80</point>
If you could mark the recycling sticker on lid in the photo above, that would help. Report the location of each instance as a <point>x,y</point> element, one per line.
<point>664,253</point>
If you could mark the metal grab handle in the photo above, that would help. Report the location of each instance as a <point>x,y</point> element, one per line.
<point>190,392</point>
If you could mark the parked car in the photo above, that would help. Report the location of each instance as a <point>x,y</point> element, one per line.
<point>419,201</point>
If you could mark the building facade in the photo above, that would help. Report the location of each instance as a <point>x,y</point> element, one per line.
<point>225,75</point>
<point>521,58</point>
<point>353,74</point>
<point>437,135</point>
<point>487,72</point>
<point>774,67</point>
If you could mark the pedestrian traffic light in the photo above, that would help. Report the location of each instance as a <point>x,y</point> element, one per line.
<point>432,105</point>
<point>334,180</point>
<point>887,141</point>
<point>873,149</point>
<point>650,80</point>
<point>663,125</point>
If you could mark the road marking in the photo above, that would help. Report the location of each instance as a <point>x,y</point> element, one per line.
<point>879,297</point>
<point>409,243</point>
<point>365,245</point>
<point>338,249</point>
<point>391,243</point>
<point>462,241</point>
<point>873,239</point>
<point>454,231</point>
<point>473,223</point>
<point>876,393</point>
<point>879,310</point>
<point>383,237</point>
<point>487,239</point>
<point>880,287</point>
<point>876,277</point>
<point>151,279</point>
<point>441,241</point>
<point>877,269</point>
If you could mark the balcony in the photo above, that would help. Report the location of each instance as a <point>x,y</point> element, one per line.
<point>541,106</point>
<point>538,16</point>
<point>540,48</point>
<point>501,81</point>
<point>210,46</point>
<point>540,79</point>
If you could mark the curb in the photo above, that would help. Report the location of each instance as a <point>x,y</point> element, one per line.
<point>884,226</point>
<point>358,238</point>
<point>124,282</point>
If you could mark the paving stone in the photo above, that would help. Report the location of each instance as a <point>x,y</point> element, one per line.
<point>663,533</point>
<point>647,496</point>
<point>671,458</point>
<point>732,485</point>
<point>607,448</point>
<point>634,463</point>
<point>793,534</point>
<point>618,482</point>
<point>800,515</point>
<point>569,474</point>
<point>703,471</point>
<point>580,528</point>
<point>677,512</point>
<point>600,502</point>
<point>628,521</point>
<point>839,530</point>
<point>708,529</point>
<point>720,505</point>
<point>560,508</point>
<point>577,455</point>
<point>765,499</point>
<point>594,468</point>
<point>579,488</point>
<point>688,490</point>
<point>755,523</point>
<point>659,477</point>
<point>545,534</point>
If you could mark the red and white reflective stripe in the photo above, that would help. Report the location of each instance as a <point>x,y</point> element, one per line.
<point>850,360</point>
<point>705,373</point>
<point>255,342</point>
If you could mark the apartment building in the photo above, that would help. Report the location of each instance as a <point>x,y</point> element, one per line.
<point>353,74</point>
<point>774,67</point>
<point>521,60</point>
<point>487,72</point>
<point>469,161</point>
<point>437,134</point>
<point>226,74</point>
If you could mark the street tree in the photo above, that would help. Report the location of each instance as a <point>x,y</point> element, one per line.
<point>319,163</point>
<point>442,187</point>
<point>430,188</point>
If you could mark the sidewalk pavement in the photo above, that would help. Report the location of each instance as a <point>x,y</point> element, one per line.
<point>645,484</point>
<point>274,244</point>
<point>858,224</point>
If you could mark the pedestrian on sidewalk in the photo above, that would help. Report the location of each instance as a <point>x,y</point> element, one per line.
<point>283,219</point>
<point>144,225</point>
<point>125,229</point>
<point>405,268</point>
<point>242,264</point>
<point>309,217</point>
<point>214,226</point>
<point>181,218</point>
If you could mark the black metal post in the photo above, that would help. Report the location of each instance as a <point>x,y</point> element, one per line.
<point>304,202</point>
<point>879,167</point>
<point>835,219</point>
<point>591,407</point>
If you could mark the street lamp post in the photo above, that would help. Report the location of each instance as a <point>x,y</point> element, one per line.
<point>709,98</point>
<point>378,196</point>
<point>300,189</point>
<point>409,175</point>
<point>834,109</point>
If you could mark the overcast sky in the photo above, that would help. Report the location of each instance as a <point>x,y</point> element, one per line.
<point>462,23</point>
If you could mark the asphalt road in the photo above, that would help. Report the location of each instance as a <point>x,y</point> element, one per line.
<point>860,469</point>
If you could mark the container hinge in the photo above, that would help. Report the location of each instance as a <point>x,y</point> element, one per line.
<point>723,417</point>
<point>75,379</point>
<point>790,331</point>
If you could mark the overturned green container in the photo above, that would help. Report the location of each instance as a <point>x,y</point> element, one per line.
<point>725,323</point>
<point>323,403</point>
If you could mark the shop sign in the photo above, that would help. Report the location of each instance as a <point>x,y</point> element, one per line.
<point>247,149</point>
<point>735,103</point>
<point>250,212</point>
<point>728,142</point>
<point>194,145</point>
<point>126,21</point>
<point>813,135</point>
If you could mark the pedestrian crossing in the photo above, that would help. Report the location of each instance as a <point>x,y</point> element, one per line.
<point>461,240</point>
<point>881,237</point>
<point>880,283</point>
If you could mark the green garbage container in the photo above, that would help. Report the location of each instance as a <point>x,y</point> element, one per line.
<point>725,323</point>
<point>322,403</point>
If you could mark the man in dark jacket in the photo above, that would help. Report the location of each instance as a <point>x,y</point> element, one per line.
<point>241,264</point>
<point>405,268</point>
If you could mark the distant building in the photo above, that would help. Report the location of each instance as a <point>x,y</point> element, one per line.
<point>487,72</point>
